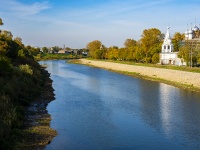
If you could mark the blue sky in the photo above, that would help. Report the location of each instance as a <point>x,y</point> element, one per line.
<point>78,22</point>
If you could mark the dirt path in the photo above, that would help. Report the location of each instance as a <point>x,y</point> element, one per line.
<point>181,77</point>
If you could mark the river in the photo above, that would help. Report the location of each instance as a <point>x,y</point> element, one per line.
<point>98,109</point>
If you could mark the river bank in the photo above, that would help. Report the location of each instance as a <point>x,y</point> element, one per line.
<point>183,79</point>
<point>37,132</point>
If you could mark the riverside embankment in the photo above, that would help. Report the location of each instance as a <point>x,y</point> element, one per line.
<point>37,132</point>
<point>189,80</point>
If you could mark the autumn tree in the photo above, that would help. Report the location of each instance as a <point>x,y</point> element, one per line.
<point>184,53</point>
<point>113,52</point>
<point>176,40</point>
<point>150,37</point>
<point>94,46</point>
<point>155,58</point>
<point>1,22</point>
<point>139,54</point>
<point>130,43</point>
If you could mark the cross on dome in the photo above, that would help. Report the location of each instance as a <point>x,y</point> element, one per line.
<point>167,36</point>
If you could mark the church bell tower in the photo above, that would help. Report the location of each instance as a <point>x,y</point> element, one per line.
<point>167,46</point>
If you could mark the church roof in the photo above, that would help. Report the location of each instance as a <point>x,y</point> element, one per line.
<point>190,31</point>
<point>195,28</point>
<point>167,40</point>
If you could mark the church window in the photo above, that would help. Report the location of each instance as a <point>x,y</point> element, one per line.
<point>168,47</point>
<point>164,47</point>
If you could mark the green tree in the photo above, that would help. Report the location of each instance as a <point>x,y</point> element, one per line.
<point>45,50</point>
<point>8,46</point>
<point>55,49</point>
<point>7,35</point>
<point>18,40</point>
<point>21,53</point>
<point>5,64</point>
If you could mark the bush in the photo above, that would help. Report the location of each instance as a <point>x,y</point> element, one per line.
<point>26,68</point>
<point>7,117</point>
<point>5,65</point>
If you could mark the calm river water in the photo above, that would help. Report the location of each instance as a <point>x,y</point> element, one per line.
<point>99,109</point>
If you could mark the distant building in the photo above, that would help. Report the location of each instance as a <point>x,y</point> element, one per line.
<point>192,33</point>
<point>50,50</point>
<point>62,51</point>
<point>85,54</point>
<point>167,55</point>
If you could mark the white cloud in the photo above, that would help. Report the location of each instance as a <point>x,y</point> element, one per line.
<point>15,7</point>
<point>33,9</point>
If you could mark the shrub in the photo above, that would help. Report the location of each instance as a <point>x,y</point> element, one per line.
<point>26,68</point>
<point>7,116</point>
<point>5,65</point>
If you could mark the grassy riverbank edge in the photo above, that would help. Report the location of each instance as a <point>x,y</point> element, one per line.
<point>146,77</point>
<point>37,133</point>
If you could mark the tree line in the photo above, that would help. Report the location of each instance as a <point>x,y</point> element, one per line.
<point>21,81</point>
<point>145,50</point>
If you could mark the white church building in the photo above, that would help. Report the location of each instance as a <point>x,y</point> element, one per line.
<point>167,55</point>
<point>192,33</point>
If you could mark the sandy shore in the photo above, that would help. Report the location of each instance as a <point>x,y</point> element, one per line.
<point>184,78</point>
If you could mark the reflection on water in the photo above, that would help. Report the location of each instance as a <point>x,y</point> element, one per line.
<point>98,109</point>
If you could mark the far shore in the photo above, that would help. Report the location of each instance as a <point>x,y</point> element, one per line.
<point>183,79</point>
